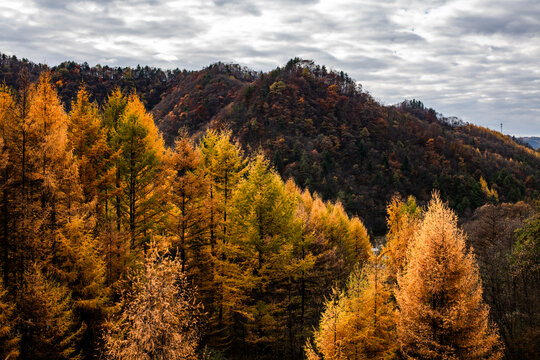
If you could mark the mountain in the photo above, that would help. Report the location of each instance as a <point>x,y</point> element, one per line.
<point>324,130</point>
<point>534,141</point>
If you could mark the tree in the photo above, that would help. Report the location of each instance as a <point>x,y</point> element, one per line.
<point>88,139</point>
<point>359,322</point>
<point>6,178</point>
<point>441,313</point>
<point>81,268</point>
<point>110,220</point>
<point>262,231</point>
<point>48,326</point>
<point>158,314</point>
<point>358,241</point>
<point>9,340</point>
<point>223,165</point>
<point>525,262</point>
<point>403,220</point>
<point>188,214</point>
<point>492,234</point>
<point>141,178</point>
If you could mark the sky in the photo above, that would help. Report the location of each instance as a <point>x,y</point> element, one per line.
<point>478,60</point>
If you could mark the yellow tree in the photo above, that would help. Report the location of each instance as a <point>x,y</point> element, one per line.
<point>141,177</point>
<point>50,329</point>
<point>111,217</point>
<point>331,332</point>
<point>188,213</point>
<point>359,322</point>
<point>223,165</point>
<point>56,193</point>
<point>262,229</point>
<point>403,220</point>
<point>358,242</point>
<point>223,162</point>
<point>88,139</point>
<point>6,241</point>
<point>441,313</point>
<point>9,341</point>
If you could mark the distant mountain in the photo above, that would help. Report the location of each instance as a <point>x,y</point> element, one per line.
<point>322,129</point>
<point>534,141</point>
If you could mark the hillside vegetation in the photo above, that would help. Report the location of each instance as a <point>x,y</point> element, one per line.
<point>204,239</point>
<point>323,130</point>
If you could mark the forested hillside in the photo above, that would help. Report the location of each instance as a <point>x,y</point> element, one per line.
<point>323,130</point>
<point>119,241</point>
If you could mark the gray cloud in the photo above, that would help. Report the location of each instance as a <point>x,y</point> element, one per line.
<point>474,59</point>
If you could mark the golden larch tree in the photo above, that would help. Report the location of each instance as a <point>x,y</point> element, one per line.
<point>403,219</point>
<point>441,313</point>
<point>9,339</point>
<point>359,322</point>
<point>189,213</point>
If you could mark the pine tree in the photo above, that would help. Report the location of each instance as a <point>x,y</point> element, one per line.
<point>358,242</point>
<point>441,312</point>
<point>81,267</point>
<point>331,331</point>
<point>6,174</point>
<point>110,220</point>
<point>20,211</point>
<point>57,193</point>
<point>224,165</point>
<point>525,260</point>
<point>159,315</point>
<point>88,139</point>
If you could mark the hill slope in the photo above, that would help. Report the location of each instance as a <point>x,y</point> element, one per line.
<point>320,128</point>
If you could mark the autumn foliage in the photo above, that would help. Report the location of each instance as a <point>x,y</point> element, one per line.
<point>441,313</point>
<point>113,245</point>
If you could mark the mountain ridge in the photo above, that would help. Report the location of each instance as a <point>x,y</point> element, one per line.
<point>322,129</point>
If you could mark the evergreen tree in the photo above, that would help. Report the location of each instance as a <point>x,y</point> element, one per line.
<point>114,246</point>
<point>223,166</point>
<point>441,313</point>
<point>525,260</point>
<point>88,139</point>
<point>81,267</point>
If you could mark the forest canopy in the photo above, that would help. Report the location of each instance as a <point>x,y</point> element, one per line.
<point>116,243</point>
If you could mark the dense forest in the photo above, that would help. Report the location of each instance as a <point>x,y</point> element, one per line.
<point>320,128</point>
<point>227,214</point>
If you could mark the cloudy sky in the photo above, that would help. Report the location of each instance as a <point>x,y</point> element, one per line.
<point>475,59</point>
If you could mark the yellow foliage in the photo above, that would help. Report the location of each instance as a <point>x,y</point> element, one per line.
<point>403,221</point>
<point>441,312</point>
